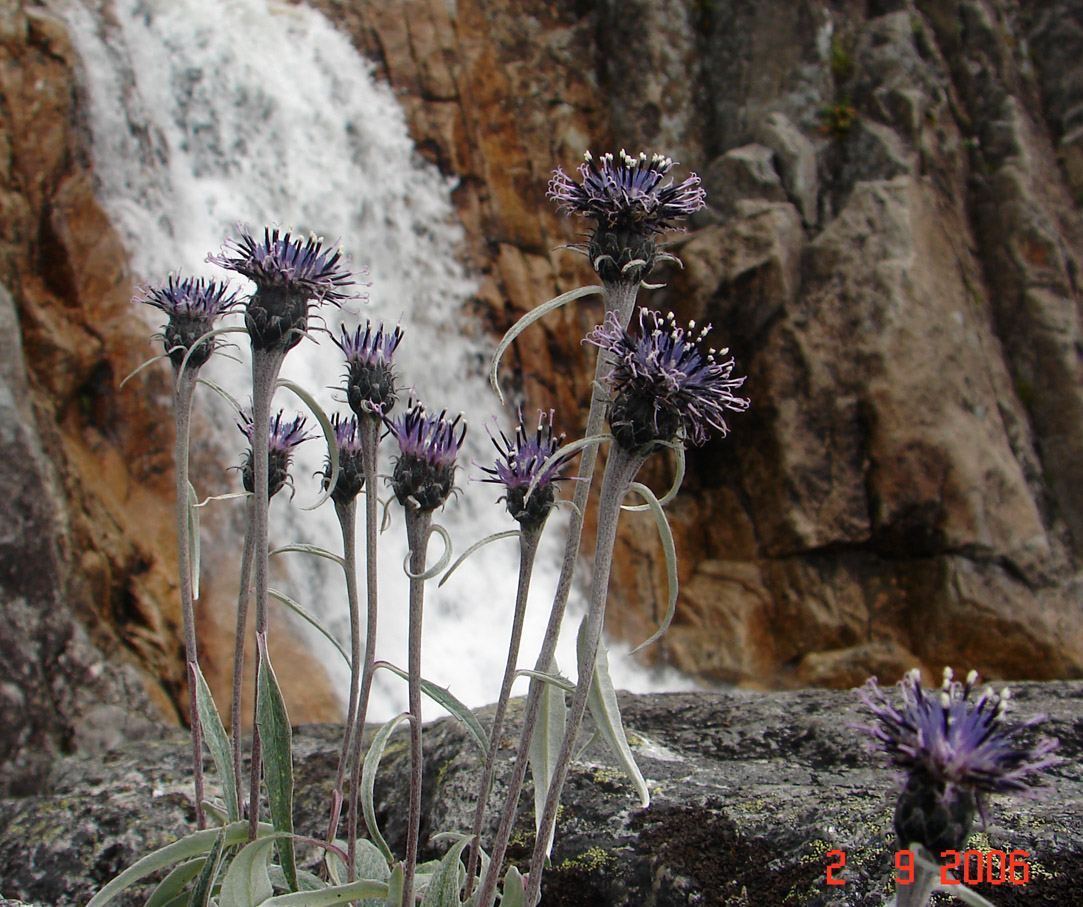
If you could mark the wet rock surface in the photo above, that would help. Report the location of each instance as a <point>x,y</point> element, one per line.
<point>750,794</point>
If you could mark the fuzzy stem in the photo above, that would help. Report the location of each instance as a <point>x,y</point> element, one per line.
<point>619,298</point>
<point>418,527</point>
<point>370,436</point>
<point>184,385</point>
<point>620,470</point>
<point>347,520</point>
<point>528,549</point>
<point>244,599</point>
<point>266,365</point>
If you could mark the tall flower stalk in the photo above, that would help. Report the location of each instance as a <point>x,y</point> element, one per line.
<point>630,206</point>
<point>291,276</point>
<point>528,468</point>
<point>666,389</point>
<point>423,479</point>
<point>192,305</point>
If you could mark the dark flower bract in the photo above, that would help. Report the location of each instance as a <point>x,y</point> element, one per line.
<point>664,383</point>
<point>351,466</point>
<point>370,379</point>
<point>526,469</point>
<point>283,437</point>
<point>956,751</point>
<point>424,473</point>
<point>291,275</point>
<point>192,304</point>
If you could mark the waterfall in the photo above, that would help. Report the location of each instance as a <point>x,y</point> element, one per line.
<point>207,113</point>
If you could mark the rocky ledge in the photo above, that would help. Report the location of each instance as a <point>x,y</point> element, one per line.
<point>751,795</point>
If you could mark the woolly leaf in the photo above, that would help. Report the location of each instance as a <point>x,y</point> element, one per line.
<point>277,739</point>
<point>545,746</point>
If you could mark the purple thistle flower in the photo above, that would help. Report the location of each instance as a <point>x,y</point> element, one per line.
<point>370,380</point>
<point>290,275</point>
<point>522,463</point>
<point>351,467</point>
<point>956,752</point>
<point>629,205</point>
<point>665,383</point>
<point>192,304</point>
<point>424,474</point>
<point>283,438</point>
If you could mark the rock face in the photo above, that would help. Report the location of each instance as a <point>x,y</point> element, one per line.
<point>753,796</point>
<point>892,253</point>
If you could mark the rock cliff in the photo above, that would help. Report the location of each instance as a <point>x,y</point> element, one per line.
<point>891,250</point>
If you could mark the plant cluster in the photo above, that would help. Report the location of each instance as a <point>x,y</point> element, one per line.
<point>659,385</point>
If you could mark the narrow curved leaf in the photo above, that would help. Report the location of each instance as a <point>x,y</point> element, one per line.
<point>495,537</point>
<point>201,891</point>
<point>222,392</point>
<point>214,733</point>
<point>174,883</point>
<point>602,700</point>
<point>545,746</point>
<point>309,549</point>
<point>526,321</point>
<point>301,611</point>
<point>445,558</point>
<point>665,535</point>
<point>340,894</point>
<point>193,845</point>
<point>444,886</point>
<point>556,679</point>
<point>277,738</point>
<point>368,781</point>
<point>453,705</point>
<point>671,493</point>
<point>146,364</point>
<point>328,434</point>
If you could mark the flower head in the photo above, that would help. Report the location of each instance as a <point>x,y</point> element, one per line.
<point>290,275</point>
<point>424,474</point>
<point>282,439</point>
<point>370,380</point>
<point>351,466</point>
<point>956,751</point>
<point>665,383</point>
<point>629,204</point>
<point>526,470</point>
<point>192,304</point>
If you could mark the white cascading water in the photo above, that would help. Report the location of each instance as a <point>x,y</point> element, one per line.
<point>208,113</point>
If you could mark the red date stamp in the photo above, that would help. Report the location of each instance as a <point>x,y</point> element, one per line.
<point>997,867</point>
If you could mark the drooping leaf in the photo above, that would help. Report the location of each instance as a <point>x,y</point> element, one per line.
<point>454,706</point>
<point>495,537</point>
<point>314,550</point>
<point>214,733</point>
<point>435,569</point>
<point>665,534</point>
<point>566,685</point>
<point>193,845</point>
<point>368,781</point>
<point>277,739</point>
<point>671,493</point>
<point>602,700</point>
<point>446,882</point>
<point>301,611</point>
<point>545,746</point>
<point>326,897</point>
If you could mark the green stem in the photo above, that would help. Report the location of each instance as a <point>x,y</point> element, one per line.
<point>244,599</point>
<point>370,436</point>
<point>266,365</point>
<point>184,385</point>
<point>619,298</point>
<point>528,549</point>
<point>418,528</point>
<point>620,470</point>
<point>347,520</point>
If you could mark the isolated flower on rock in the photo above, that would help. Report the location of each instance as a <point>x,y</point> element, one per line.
<point>283,437</point>
<point>630,205</point>
<point>291,276</point>
<point>351,464</point>
<point>527,470</point>
<point>424,474</point>
<point>666,385</point>
<point>370,378</point>
<point>193,304</point>
<point>955,751</point>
